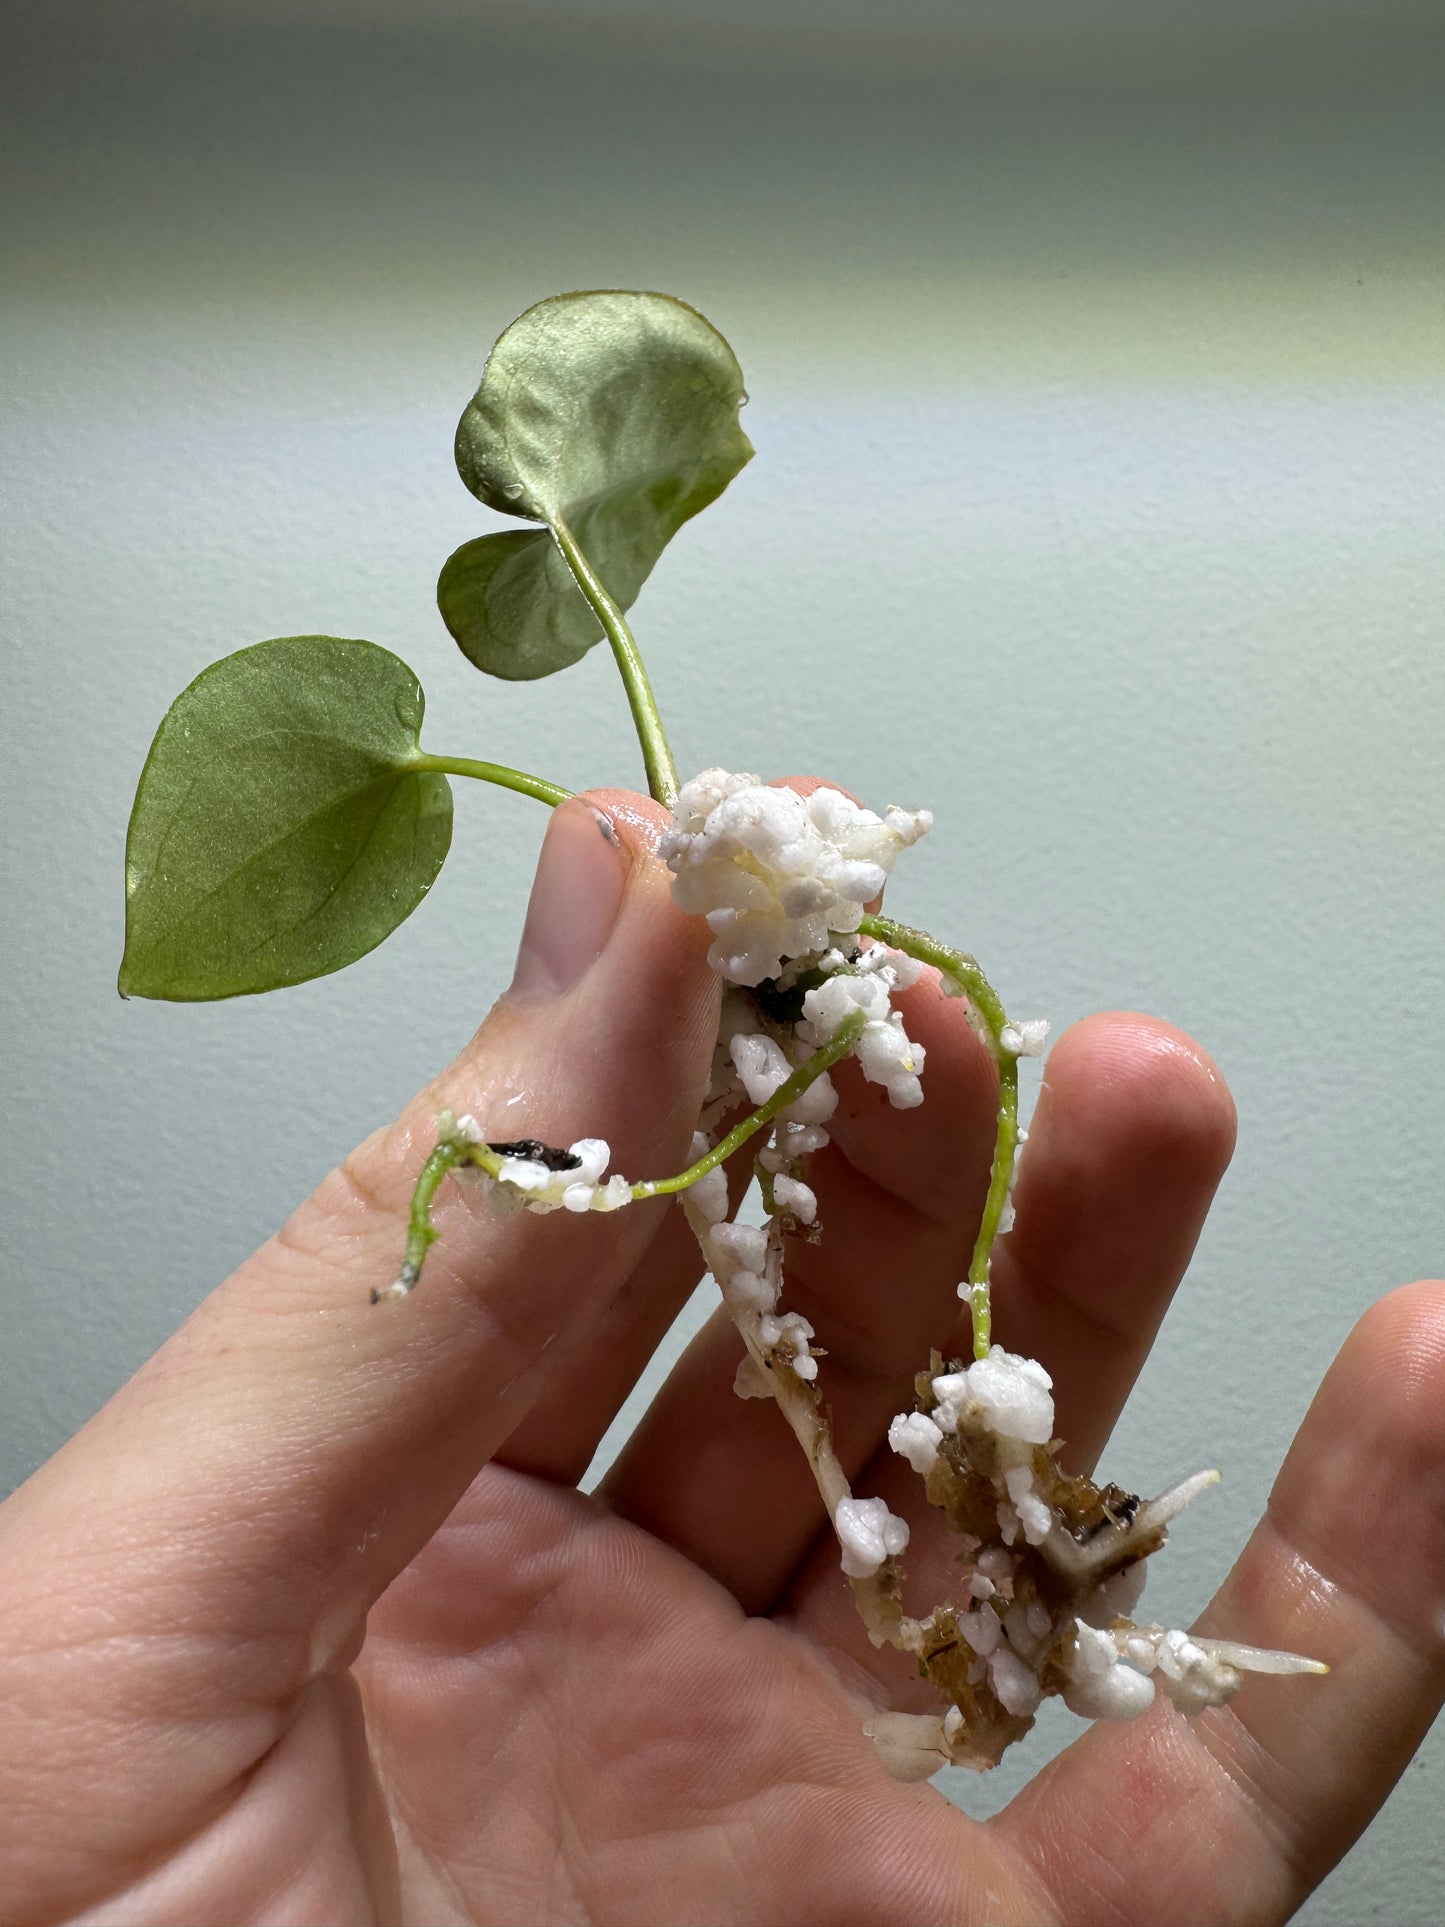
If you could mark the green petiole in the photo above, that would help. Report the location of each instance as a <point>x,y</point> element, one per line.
<point>508,779</point>
<point>646,718</point>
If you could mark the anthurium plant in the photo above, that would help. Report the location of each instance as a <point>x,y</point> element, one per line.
<point>289,817</point>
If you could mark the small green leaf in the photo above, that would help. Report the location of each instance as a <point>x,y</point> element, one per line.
<point>511,603</point>
<point>612,414</point>
<point>281,827</point>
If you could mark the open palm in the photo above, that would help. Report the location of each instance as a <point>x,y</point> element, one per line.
<point>312,1625</point>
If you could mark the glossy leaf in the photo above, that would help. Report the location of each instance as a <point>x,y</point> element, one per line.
<point>511,604</point>
<point>281,827</point>
<point>614,414</point>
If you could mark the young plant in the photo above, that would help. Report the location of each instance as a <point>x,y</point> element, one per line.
<point>288,819</point>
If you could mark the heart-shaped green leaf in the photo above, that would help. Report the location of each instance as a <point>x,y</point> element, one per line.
<point>283,825</point>
<point>512,605</point>
<point>614,415</point>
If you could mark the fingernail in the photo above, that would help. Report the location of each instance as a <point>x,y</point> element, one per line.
<point>575,897</point>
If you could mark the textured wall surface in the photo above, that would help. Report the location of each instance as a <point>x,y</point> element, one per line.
<point>1098,389</point>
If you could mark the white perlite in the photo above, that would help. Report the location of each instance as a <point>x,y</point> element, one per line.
<point>776,874</point>
<point>783,880</point>
<point>1016,1684</point>
<point>791,1194</point>
<point>1028,1039</point>
<point>1101,1686</point>
<point>760,1064</point>
<point>886,1053</point>
<point>522,1181</point>
<point>791,1143</point>
<point>868,1534</point>
<point>748,1269</point>
<point>915,1437</point>
<point>709,1195</point>
<point>1003,1394</point>
<point>1034,1517</point>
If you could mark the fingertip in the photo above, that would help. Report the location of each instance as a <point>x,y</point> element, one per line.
<point>1147,1089</point>
<point>652,982</point>
<point>659,945</point>
<point>1388,1382</point>
<point>1362,1494</point>
<point>1401,1338</point>
<point>1132,1133</point>
<point>637,822</point>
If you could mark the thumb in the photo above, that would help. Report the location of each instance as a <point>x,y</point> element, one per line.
<point>289,1450</point>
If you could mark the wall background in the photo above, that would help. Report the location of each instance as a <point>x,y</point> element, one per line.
<point>1099,389</point>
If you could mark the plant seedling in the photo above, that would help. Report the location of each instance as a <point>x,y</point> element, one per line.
<point>288,819</point>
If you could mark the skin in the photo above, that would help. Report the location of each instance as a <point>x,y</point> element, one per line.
<point>310,1624</point>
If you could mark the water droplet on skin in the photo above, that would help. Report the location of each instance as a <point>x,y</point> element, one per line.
<point>512,490</point>
<point>743,399</point>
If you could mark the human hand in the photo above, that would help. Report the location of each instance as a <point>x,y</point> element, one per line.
<point>648,1705</point>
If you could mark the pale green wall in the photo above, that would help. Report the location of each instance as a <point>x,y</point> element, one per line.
<point>1099,393</point>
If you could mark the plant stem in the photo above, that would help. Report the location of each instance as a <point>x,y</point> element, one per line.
<point>1000,1177</point>
<point>964,971</point>
<point>421,1232</point>
<point>957,964</point>
<point>806,1074</point>
<point>508,779</point>
<point>646,720</point>
<point>452,1151</point>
